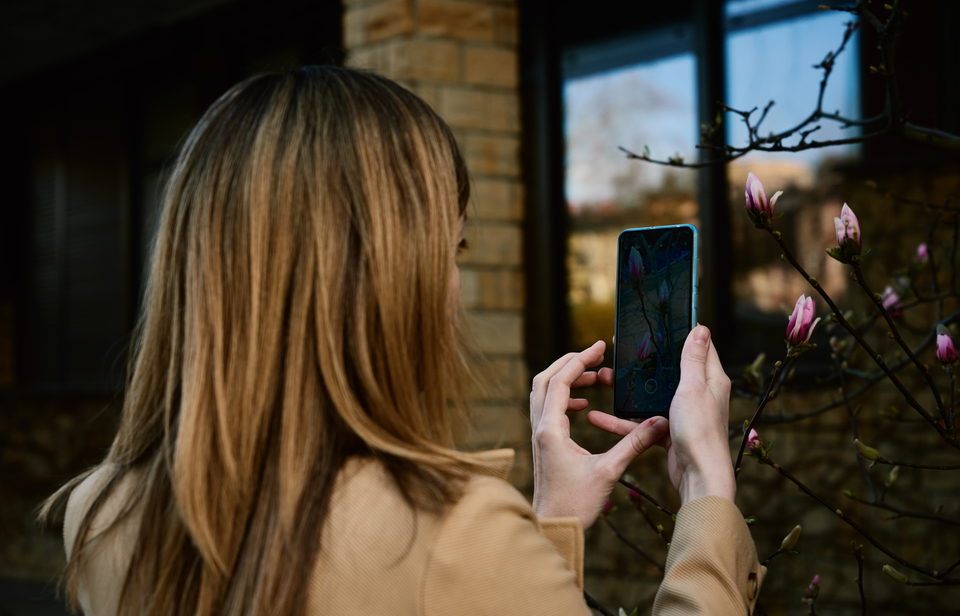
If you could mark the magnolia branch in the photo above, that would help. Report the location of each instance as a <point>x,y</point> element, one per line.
<point>853,428</point>
<point>648,497</point>
<point>780,367</point>
<point>634,546</point>
<point>890,122</point>
<point>895,333</point>
<point>803,488</point>
<point>869,381</point>
<point>838,317</point>
<point>904,513</point>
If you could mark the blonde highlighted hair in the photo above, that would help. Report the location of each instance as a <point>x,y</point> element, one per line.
<point>296,314</point>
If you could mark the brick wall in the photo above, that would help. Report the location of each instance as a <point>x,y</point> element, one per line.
<point>461,57</point>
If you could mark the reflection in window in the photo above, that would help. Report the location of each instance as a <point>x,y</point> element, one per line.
<point>650,104</point>
<point>774,62</point>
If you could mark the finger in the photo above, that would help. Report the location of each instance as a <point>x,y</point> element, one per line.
<point>538,391</point>
<point>641,438</point>
<point>693,358</point>
<point>713,367</point>
<point>586,379</point>
<point>577,404</point>
<point>558,390</point>
<point>605,376</point>
<point>610,423</point>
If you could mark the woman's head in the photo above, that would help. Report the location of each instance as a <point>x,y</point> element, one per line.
<point>298,312</point>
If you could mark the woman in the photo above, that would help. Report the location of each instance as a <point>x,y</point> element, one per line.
<point>285,445</point>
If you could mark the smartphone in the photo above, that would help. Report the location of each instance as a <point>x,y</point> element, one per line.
<point>656,309</point>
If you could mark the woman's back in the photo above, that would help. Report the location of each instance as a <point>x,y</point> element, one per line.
<point>381,556</point>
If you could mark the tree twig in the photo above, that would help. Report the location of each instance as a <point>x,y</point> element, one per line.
<point>904,513</point>
<point>647,496</point>
<point>853,428</point>
<point>803,488</point>
<point>634,546</point>
<point>838,316</point>
<point>594,605</point>
<point>781,366</point>
<point>923,368</point>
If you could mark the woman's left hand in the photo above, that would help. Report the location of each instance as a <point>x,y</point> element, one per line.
<point>568,479</point>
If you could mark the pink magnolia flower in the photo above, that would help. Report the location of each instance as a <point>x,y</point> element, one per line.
<point>607,507</point>
<point>814,588</point>
<point>664,296</point>
<point>660,338</point>
<point>644,348</point>
<point>946,352</point>
<point>635,265</point>
<point>634,496</point>
<point>801,324</point>
<point>757,198</point>
<point>922,253</point>
<point>891,302</point>
<point>753,441</point>
<point>848,227</point>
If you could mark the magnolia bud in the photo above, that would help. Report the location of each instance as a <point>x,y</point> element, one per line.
<point>791,540</point>
<point>868,453</point>
<point>896,575</point>
<point>750,520</point>
<point>892,477</point>
<point>607,507</point>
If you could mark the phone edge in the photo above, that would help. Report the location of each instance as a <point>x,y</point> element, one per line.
<point>695,286</point>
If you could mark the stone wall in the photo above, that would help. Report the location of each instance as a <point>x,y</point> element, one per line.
<point>461,58</point>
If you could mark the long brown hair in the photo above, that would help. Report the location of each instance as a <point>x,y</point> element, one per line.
<point>296,314</point>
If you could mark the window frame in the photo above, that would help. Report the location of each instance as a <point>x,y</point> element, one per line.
<point>549,53</point>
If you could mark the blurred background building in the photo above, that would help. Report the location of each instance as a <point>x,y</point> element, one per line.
<point>98,94</point>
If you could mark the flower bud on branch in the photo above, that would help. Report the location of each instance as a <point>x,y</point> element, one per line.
<point>896,575</point>
<point>848,236</point>
<point>867,453</point>
<point>758,208</point>
<point>946,351</point>
<point>892,477</point>
<point>891,303</point>
<point>801,324</point>
<point>791,540</point>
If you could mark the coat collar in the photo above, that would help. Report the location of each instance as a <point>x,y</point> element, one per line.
<point>498,462</point>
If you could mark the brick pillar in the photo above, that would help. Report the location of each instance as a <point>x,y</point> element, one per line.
<point>461,57</point>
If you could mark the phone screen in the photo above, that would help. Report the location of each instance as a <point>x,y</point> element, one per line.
<point>656,308</point>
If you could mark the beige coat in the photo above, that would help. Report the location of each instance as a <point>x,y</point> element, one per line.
<point>487,554</point>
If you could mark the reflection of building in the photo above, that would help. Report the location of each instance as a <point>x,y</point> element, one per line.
<point>592,242</point>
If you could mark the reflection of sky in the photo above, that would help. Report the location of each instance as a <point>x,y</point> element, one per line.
<point>732,8</point>
<point>651,104</point>
<point>654,104</point>
<point>775,62</point>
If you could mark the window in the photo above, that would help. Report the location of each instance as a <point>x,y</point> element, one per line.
<point>638,93</point>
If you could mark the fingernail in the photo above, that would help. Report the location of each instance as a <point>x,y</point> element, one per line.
<point>660,426</point>
<point>701,335</point>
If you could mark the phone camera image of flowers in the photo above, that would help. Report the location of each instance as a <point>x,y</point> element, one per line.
<point>664,298</point>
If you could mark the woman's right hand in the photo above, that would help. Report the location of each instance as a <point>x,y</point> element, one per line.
<point>698,450</point>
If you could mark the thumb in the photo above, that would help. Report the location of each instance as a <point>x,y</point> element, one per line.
<point>640,439</point>
<point>693,359</point>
